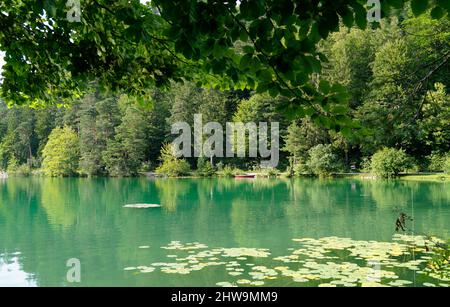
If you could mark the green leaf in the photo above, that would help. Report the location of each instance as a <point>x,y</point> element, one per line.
<point>419,6</point>
<point>437,13</point>
<point>265,75</point>
<point>360,16</point>
<point>339,109</point>
<point>262,87</point>
<point>348,19</point>
<point>444,4</point>
<point>218,51</point>
<point>398,4</point>
<point>324,86</point>
<point>245,62</point>
<point>248,49</point>
<point>243,36</point>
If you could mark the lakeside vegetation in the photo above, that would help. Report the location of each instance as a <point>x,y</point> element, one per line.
<point>119,135</point>
<point>97,95</point>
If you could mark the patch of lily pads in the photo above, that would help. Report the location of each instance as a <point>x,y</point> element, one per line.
<point>323,262</point>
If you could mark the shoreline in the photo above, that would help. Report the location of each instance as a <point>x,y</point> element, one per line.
<point>426,177</point>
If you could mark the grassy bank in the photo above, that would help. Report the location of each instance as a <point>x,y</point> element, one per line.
<point>426,177</point>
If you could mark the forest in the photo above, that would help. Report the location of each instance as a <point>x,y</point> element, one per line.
<point>396,80</point>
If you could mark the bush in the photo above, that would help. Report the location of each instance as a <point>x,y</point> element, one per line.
<point>389,162</point>
<point>146,166</point>
<point>436,162</point>
<point>171,166</point>
<point>61,153</point>
<point>270,172</point>
<point>228,171</point>
<point>301,168</point>
<point>15,169</point>
<point>447,165</point>
<point>322,161</point>
<point>204,168</point>
<point>13,164</point>
<point>365,166</point>
<point>220,166</point>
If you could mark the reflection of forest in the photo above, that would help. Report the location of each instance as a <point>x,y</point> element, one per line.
<point>52,220</point>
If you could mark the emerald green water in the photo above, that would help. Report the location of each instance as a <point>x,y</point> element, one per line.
<point>44,222</point>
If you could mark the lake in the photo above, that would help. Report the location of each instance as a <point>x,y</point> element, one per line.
<point>251,232</point>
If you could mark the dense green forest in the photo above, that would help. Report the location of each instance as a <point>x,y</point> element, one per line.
<point>397,78</point>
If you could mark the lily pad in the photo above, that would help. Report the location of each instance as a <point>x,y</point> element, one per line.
<point>142,206</point>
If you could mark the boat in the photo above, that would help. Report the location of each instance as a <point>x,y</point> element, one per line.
<point>245,176</point>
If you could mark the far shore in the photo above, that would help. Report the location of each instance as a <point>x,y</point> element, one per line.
<point>436,177</point>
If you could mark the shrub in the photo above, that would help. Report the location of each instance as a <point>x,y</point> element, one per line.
<point>270,172</point>
<point>204,168</point>
<point>322,161</point>
<point>219,166</point>
<point>228,171</point>
<point>365,165</point>
<point>13,164</point>
<point>171,166</point>
<point>146,166</point>
<point>436,162</point>
<point>447,165</point>
<point>301,168</point>
<point>389,162</point>
<point>15,169</point>
<point>61,153</point>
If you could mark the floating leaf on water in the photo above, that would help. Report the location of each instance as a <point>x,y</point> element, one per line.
<point>243,281</point>
<point>147,270</point>
<point>142,206</point>
<point>300,279</point>
<point>326,285</point>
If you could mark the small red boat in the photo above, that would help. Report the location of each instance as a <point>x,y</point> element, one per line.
<point>245,176</point>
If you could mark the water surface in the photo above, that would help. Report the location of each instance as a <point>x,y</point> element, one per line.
<point>44,222</point>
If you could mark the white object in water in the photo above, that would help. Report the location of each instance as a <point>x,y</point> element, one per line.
<point>142,206</point>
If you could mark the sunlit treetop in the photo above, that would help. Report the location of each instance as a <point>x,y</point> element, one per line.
<point>124,45</point>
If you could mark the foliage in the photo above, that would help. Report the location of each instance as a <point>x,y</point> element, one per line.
<point>365,165</point>
<point>322,161</point>
<point>204,168</point>
<point>436,161</point>
<point>228,171</point>
<point>269,46</point>
<point>171,166</point>
<point>15,169</point>
<point>126,152</point>
<point>439,263</point>
<point>61,153</point>
<point>301,168</point>
<point>94,134</point>
<point>389,162</point>
<point>397,90</point>
<point>271,172</point>
<point>447,165</point>
<point>302,137</point>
